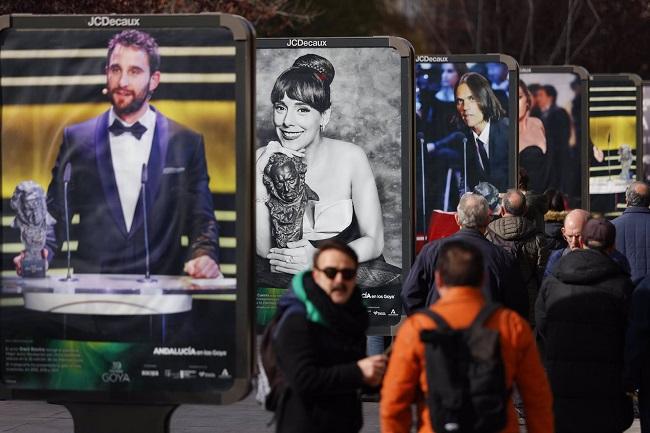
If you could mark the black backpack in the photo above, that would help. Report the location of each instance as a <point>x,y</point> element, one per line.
<point>465,376</point>
<point>271,378</point>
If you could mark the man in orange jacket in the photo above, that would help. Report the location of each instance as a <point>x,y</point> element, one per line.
<point>458,276</point>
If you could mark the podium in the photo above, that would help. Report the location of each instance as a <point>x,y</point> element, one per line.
<point>105,300</point>
<point>113,294</point>
<point>110,299</point>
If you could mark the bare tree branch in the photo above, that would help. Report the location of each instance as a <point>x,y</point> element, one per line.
<point>562,38</point>
<point>528,33</point>
<point>468,23</point>
<point>591,33</point>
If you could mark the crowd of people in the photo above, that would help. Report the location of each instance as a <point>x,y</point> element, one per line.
<point>511,320</point>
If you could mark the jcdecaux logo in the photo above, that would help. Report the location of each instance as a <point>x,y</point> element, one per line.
<point>113,22</point>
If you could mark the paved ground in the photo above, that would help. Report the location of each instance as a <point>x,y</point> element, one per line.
<point>243,417</point>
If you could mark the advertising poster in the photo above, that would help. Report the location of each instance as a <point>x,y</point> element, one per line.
<point>124,150</point>
<point>615,130</point>
<point>553,130</point>
<point>465,133</point>
<point>342,106</point>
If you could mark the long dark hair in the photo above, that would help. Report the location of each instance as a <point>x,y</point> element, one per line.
<point>485,97</point>
<point>527,95</point>
<point>308,81</point>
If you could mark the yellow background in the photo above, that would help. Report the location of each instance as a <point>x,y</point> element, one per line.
<point>623,129</point>
<point>32,134</point>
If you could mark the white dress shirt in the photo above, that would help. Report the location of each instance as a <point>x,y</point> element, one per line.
<point>128,154</point>
<point>485,138</point>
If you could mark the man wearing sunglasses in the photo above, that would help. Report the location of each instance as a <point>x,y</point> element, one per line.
<point>320,344</point>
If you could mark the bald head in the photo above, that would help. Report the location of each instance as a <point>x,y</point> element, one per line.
<point>573,224</point>
<point>638,194</point>
<point>514,203</point>
<point>473,212</point>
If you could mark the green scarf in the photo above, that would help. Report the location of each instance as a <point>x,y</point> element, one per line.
<point>313,315</point>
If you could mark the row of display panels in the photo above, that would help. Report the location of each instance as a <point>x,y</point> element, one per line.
<point>339,144</point>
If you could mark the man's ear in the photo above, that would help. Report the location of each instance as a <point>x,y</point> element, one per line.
<point>438,279</point>
<point>154,81</point>
<point>457,219</point>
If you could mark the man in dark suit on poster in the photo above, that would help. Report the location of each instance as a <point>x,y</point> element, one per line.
<point>481,116</point>
<point>557,124</point>
<point>107,154</point>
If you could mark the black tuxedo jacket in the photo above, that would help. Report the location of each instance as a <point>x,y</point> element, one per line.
<point>179,202</point>
<point>497,174</point>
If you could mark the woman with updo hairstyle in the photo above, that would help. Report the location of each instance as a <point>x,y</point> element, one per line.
<point>345,205</point>
<point>532,143</point>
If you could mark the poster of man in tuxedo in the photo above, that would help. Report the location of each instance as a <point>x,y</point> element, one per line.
<point>138,135</point>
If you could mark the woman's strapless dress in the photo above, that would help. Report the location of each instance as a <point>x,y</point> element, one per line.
<point>332,220</point>
<point>537,166</point>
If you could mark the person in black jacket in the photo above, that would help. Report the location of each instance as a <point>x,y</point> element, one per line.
<point>637,350</point>
<point>504,283</point>
<point>320,346</point>
<point>581,315</point>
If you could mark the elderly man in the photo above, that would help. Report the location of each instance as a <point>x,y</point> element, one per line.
<point>581,314</point>
<point>633,229</point>
<point>320,344</point>
<point>503,284</point>
<point>572,233</point>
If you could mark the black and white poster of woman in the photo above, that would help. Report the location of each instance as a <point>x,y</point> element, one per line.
<point>329,166</point>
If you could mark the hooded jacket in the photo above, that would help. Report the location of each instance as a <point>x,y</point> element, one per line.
<point>581,315</point>
<point>319,365</point>
<point>553,223</point>
<point>520,237</point>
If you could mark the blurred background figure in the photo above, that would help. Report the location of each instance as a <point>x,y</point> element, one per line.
<point>532,143</point>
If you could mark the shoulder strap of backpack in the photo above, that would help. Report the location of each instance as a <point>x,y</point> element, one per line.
<point>442,324</point>
<point>284,314</point>
<point>485,314</point>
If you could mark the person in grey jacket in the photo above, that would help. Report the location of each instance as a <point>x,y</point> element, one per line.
<point>520,237</point>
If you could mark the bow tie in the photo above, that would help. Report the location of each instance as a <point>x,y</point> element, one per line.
<point>118,128</point>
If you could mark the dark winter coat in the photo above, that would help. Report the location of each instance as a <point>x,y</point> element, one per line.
<point>319,363</point>
<point>637,349</point>
<point>503,283</point>
<point>581,315</point>
<point>633,239</point>
<point>520,237</point>
<point>556,255</point>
